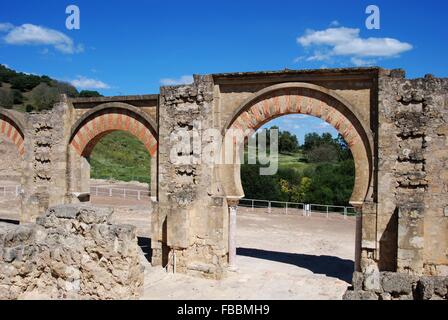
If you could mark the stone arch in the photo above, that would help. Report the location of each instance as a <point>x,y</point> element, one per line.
<point>304,98</point>
<point>109,117</point>
<point>12,128</point>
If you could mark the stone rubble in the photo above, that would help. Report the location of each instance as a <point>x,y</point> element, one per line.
<point>71,252</point>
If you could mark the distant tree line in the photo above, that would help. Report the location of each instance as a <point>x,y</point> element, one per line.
<point>287,142</point>
<point>33,92</point>
<point>328,177</point>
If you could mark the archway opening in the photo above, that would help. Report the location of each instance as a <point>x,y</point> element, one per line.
<point>11,170</point>
<point>297,225</point>
<point>120,178</point>
<point>114,159</point>
<point>318,220</point>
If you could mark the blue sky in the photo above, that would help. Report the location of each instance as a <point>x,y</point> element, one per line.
<point>132,47</point>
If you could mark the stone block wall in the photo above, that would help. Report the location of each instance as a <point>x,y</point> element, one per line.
<point>188,231</point>
<point>11,162</point>
<point>45,180</point>
<point>72,252</point>
<point>397,286</point>
<point>406,230</point>
<point>412,174</point>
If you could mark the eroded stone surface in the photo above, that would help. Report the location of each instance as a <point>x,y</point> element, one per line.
<point>72,252</point>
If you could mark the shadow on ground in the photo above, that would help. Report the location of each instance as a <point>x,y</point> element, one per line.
<point>330,266</point>
<point>145,245</point>
<point>10,221</point>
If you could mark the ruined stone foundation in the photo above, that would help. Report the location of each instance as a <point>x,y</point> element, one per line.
<point>397,286</point>
<point>72,252</point>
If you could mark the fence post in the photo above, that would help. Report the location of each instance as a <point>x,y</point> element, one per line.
<point>345,212</point>
<point>269,207</point>
<point>286,210</point>
<point>327,211</point>
<point>110,192</point>
<point>253,205</point>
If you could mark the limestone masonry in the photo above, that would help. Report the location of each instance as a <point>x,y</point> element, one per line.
<point>397,130</point>
<point>72,252</point>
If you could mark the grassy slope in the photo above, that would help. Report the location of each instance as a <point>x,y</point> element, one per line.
<point>26,95</point>
<point>292,161</point>
<point>120,156</point>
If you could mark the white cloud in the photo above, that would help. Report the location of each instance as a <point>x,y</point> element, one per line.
<point>329,37</point>
<point>298,59</point>
<point>296,116</point>
<point>346,42</point>
<point>334,23</point>
<point>361,62</point>
<point>30,34</point>
<point>85,83</point>
<point>175,82</point>
<point>5,27</point>
<point>319,56</point>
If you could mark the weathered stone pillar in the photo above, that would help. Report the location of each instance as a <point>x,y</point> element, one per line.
<point>233,208</point>
<point>411,238</point>
<point>368,241</point>
<point>192,213</point>
<point>358,239</point>
<point>46,179</point>
<point>153,187</point>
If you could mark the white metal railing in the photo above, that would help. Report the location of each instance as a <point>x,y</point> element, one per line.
<point>120,193</point>
<point>286,207</point>
<point>294,207</point>
<point>9,191</point>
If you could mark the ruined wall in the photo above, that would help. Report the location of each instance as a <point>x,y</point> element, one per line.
<point>397,286</point>
<point>46,142</point>
<point>11,162</point>
<point>192,215</point>
<point>73,252</point>
<point>412,175</point>
<point>406,230</point>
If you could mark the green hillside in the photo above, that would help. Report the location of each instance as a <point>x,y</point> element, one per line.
<point>28,92</point>
<point>120,156</point>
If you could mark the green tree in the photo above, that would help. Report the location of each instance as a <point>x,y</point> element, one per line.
<point>6,74</point>
<point>65,88</point>
<point>6,98</point>
<point>259,187</point>
<point>89,94</point>
<point>323,153</point>
<point>24,82</point>
<point>44,97</point>
<point>17,97</point>
<point>288,142</point>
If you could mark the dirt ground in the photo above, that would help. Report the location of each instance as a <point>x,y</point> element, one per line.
<point>279,256</point>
